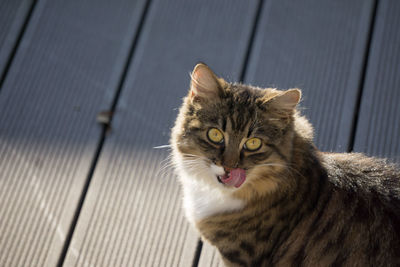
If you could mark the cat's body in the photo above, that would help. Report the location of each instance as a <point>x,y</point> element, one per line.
<point>256,187</point>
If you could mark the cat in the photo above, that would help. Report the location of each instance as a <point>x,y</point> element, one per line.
<point>256,187</point>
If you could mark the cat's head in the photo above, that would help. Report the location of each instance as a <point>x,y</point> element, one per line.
<point>234,137</point>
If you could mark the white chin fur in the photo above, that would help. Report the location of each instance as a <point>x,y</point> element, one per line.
<point>203,195</point>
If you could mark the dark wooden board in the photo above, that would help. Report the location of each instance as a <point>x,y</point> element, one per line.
<point>67,69</point>
<point>13,14</point>
<point>378,128</point>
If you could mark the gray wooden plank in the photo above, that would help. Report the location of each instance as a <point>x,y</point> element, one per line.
<point>12,17</point>
<point>319,47</point>
<point>67,69</point>
<point>132,215</point>
<point>378,128</point>
<point>210,257</point>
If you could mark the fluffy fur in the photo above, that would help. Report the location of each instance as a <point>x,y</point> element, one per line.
<point>297,206</point>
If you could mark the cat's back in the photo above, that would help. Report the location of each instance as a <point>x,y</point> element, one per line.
<point>360,221</point>
<point>363,176</point>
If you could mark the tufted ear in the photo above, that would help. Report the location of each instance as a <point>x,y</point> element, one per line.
<point>286,100</point>
<point>205,84</point>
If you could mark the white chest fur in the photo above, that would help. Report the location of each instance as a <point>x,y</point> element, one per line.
<point>201,201</point>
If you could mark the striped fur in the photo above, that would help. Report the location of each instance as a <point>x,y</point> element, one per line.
<point>298,206</point>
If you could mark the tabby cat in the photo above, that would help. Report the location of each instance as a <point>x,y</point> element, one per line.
<point>257,188</point>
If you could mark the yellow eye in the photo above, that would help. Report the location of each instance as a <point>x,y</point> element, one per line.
<point>215,136</point>
<point>252,144</point>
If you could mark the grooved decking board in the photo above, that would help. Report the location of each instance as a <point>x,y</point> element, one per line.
<point>317,46</point>
<point>132,215</point>
<point>12,16</point>
<point>378,129</point>
<point>210,257</point>
<point>67,69</point>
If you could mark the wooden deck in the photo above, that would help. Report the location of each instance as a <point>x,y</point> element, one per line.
<point>75,193</point>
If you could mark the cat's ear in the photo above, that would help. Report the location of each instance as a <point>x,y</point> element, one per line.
<point>204,83</point>
<point>286,100</point>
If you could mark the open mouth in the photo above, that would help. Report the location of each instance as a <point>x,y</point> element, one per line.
<point>235,177</point>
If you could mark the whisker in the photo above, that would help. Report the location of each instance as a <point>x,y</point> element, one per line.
<point>190,162</point>
<point>162,146</point>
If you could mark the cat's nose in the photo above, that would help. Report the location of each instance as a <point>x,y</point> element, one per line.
<point>228,169</point>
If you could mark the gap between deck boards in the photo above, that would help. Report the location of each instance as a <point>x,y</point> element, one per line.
<point>105,129</point>
<point>14,50</point>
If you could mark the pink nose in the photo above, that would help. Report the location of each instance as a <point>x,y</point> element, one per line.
<point>227,169</point>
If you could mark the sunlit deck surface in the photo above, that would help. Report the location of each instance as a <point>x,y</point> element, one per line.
<point>76,192</point>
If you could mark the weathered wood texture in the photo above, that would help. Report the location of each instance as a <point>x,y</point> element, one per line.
<point>378,128</point>
<point>66,69</point>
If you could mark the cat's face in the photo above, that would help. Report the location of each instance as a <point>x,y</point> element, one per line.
<point>231,136</point>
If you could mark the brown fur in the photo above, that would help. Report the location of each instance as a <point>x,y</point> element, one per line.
<point>306,207</point>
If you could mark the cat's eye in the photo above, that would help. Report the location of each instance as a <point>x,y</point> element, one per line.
<point>252,144</point>
<point>215,136</point>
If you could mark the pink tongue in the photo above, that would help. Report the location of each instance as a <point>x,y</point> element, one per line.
<point>236,177</point>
